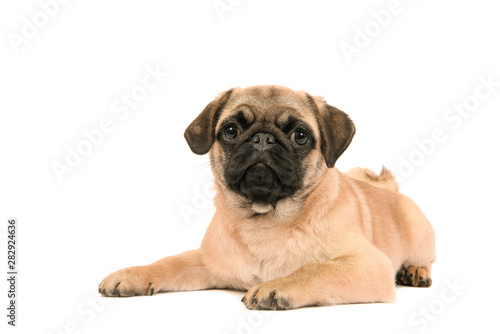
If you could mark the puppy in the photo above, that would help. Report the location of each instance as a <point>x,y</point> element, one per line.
<point>289,228</point>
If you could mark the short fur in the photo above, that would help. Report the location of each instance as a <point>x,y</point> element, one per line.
<point>335,239</point>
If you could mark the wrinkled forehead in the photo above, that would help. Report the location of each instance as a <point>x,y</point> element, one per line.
<point>271,105</point>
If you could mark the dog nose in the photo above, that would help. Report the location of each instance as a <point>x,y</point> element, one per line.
<point>263,141</point>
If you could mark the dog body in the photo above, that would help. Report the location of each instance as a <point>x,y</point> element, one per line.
<point>289,228</point>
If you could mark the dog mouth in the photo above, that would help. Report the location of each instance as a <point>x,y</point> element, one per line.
<point>261,184</point>
<point>262,178</point>
<point>259,176</point>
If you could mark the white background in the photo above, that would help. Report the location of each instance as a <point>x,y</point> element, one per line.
<point>122,204</point>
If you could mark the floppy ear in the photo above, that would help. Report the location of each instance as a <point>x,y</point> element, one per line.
<point>336,130</point>
<point>200,134</point>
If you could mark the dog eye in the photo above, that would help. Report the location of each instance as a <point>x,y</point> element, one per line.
<point>299,137</point>
<point>231,132</point>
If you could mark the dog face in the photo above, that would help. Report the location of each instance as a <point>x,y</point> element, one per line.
<point>269,143</point>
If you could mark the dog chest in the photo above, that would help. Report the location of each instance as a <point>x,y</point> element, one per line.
<point>277,252</point>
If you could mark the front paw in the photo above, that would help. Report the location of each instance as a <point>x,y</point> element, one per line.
<point>274,295</point>
<point>128,282</point>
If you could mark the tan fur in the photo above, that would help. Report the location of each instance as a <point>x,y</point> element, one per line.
<point>342,238</point>
<point>384,179</point>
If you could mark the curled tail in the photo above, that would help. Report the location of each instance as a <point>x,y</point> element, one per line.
<point>384,180</point>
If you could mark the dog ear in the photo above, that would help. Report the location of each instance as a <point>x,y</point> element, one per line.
<point>200,134</point>
<point>336,129</point>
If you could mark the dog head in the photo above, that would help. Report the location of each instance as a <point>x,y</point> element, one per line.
<point>269,143</point>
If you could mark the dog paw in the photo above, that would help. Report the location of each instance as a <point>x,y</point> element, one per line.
<point>128,282</point>
<point>268,296</point>
<point>414,276</point>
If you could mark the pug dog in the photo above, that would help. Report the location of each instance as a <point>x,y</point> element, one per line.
<point>289,228</point>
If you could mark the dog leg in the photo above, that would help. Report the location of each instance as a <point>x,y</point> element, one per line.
<point>362,278</point>
<point>414,276</point>
<point>181,272</point>
<point>420,243</point>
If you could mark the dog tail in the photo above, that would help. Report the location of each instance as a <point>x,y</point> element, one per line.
<point>384,180</point>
